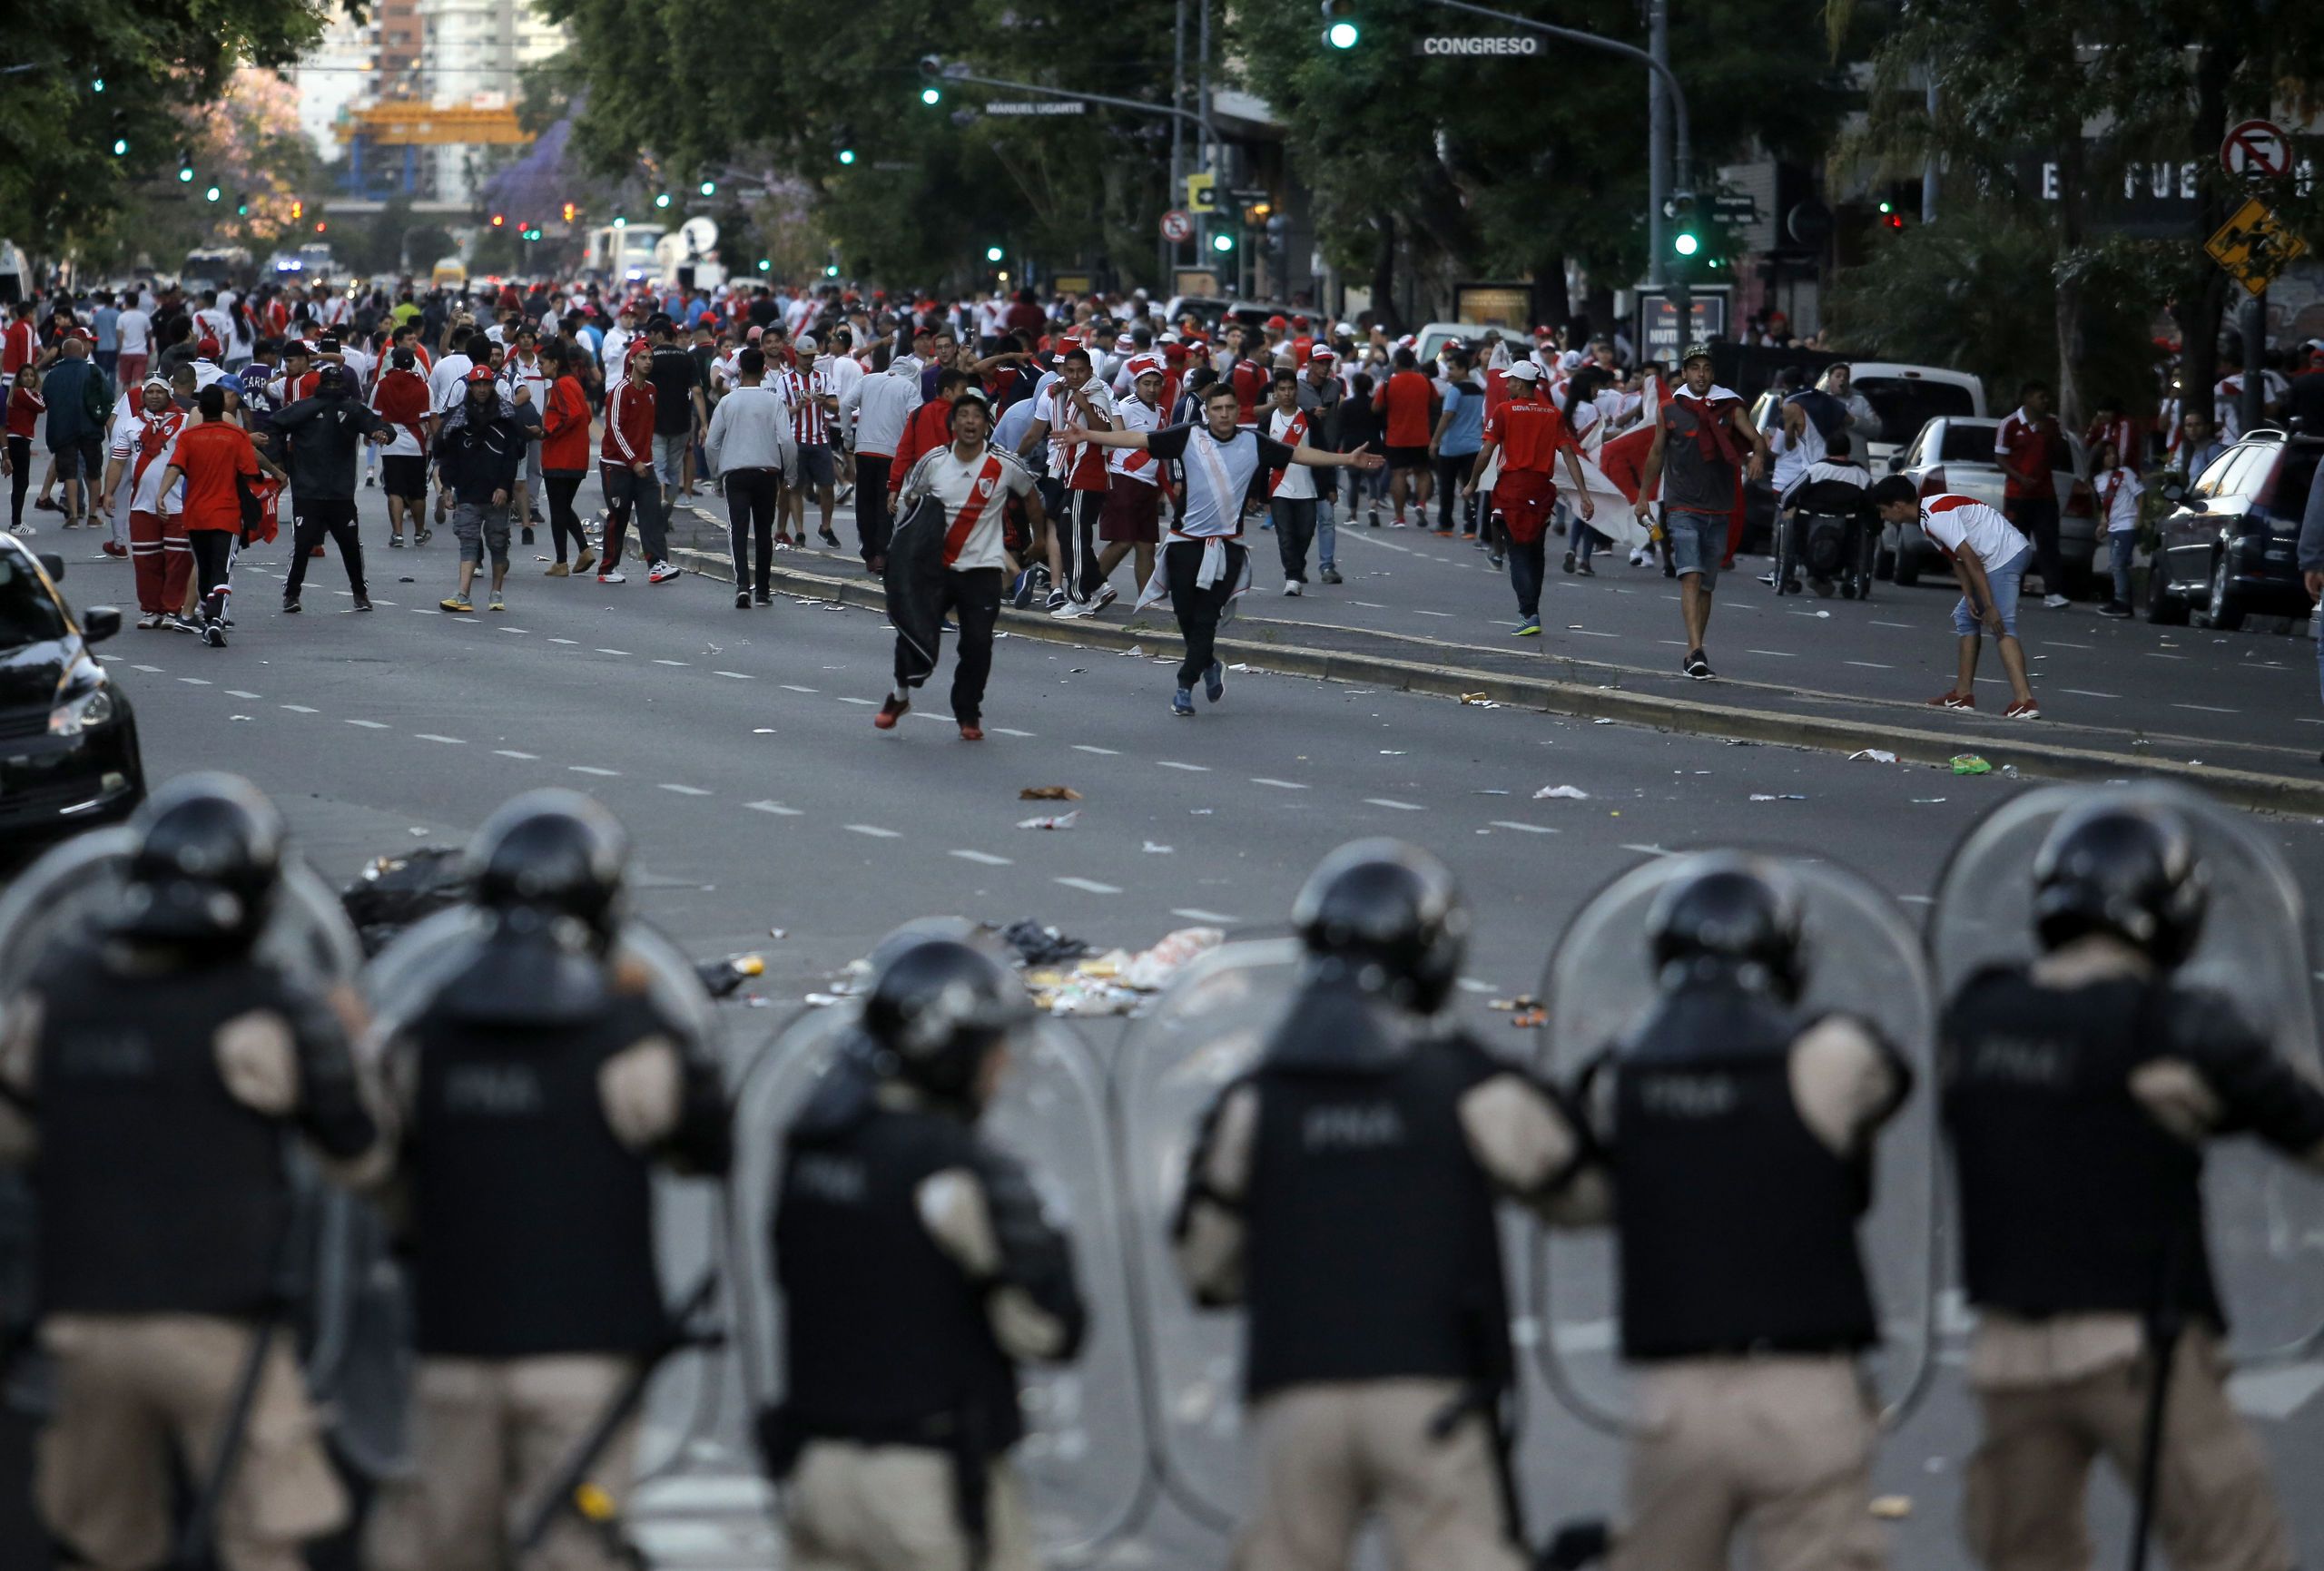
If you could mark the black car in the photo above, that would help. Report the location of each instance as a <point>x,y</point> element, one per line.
<point>68,740</point>
<point>2231,548</point>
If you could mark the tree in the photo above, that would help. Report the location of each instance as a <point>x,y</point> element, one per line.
<point>2092,89</point>
<point>163,65</point>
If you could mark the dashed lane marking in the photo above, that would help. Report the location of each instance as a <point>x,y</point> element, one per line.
<point>1281,785</point>
<point>1091,884</point>
<point>983,858</point>
<point>1905,625</point>
<point>1197,914</point>
<point>436,736</point>
<point>735,675</point>
<point>237,693</point>
<point>592,769</point>
<point>777,808</point>
<point>875,831</point>
<point>1009,730</point>
<point>194,681</point>
<point>368,724</point>
<point>512,752</point>
<point>1647,850</point>
<point>574,642</point>
<point>1522,828</point>
<point>1189,768</point>
<point>1778,653</point>
<point>671,662</point>
<point>795,687</point>
<point>683,790</point>
<point>1100,752</point>
<point>865,703</point>
<point>148,670</point>
<point>2207,708</point>
<point>1872,665</point>
<point>1392,802</point>
<point>299,709</point>
<point>2085,692</point>
<point>613,651</point>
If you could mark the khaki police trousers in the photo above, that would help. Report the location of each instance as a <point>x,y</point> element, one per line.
<point>132,1391</point>
<point>1329,1455</point>
<point>489,1436</point>
<point>1778,1447</point>
<point>2215,1509</point>
<point>850,1508</point>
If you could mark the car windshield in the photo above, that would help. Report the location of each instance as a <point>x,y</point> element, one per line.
<point>28,613</point>
<point>1906,405</point>
<point>1966,444</point>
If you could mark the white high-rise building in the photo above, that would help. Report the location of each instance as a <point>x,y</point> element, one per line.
<point>336,72</point>
<point>471,55</point>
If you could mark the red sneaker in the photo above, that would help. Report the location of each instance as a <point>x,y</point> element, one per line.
<point>113,549</point>
<point>890,712</point>
<point>2023,709</point>
<point>1953,701</point>
<point>972,731</point>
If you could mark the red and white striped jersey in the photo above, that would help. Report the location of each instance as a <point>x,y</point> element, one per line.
<point>805,390</point>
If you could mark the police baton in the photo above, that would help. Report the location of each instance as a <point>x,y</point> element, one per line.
<point>196,1542</point>
<point>2165,1323</point>
<point>572,1491</point>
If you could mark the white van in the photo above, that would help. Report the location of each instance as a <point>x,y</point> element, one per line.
<point>1907,398</point>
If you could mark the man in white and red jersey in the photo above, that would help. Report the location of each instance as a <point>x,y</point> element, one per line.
<point>1131,518</point>
<point>402,398</point>
<point>1989,557</point>
<point>1522,440</point>
<point>626,469</point>
<point>1064,410</point>
<point>948,558</point>
<point>808,388</point>
<point>299,377</point>
<point>1291,487</point>
<point>143,445</point>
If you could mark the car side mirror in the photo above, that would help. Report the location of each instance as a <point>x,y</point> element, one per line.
<point>2197,506</point>
<point>2174,491</point>
<point>99,623</point>
<point>1897,462</point>
<point>53,564</point>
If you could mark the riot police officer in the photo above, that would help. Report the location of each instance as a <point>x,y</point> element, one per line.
<point>155,1072</point>
<point>1343,1192</point>
<point>917,1268</point>
<point>1737,1131</point>
<point>2079,1091</point>
<point>542,1081</point>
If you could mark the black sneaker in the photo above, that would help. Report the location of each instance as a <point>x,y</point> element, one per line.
<point>761,598</point>
<point>213,635</point>
<point>1698,665</point>
<point>362,603</point>
<point>290,605</point>
<point>527,539</point>
<point>742,600</point>
<point>2115,608</point>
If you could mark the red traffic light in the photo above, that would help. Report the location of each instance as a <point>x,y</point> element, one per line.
<point>1896,221</point>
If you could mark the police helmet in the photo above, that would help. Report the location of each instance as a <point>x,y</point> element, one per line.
<point>2124,868</point>
<point>207,860</point>
<point>937,1008</point>
<point>551,853</point>
<point>1738,918</point>
<point>1391,914</point>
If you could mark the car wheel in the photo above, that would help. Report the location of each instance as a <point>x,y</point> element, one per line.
<point>2163,609</point>
<point>2225,615</point>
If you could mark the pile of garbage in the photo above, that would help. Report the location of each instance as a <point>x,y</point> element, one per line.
<point>1061,973</point>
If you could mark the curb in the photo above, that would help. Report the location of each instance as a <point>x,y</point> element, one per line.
<point>2251,788</point>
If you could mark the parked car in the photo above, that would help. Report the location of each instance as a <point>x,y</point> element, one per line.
<point>1956,455</point>
<point>1213,312</point>
<point>1433,336</point>
<point>1906,398</point>
<point>68,739</point>
<point>2230,548</point>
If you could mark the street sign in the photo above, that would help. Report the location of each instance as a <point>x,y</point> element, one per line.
<point>1036,106</point>
<point>1658,319</point>
<point>1734,210</point>
<point>2256,150</point>
<point>1202,193</point>
<point>2254,246</point>
<point>1178,226</point>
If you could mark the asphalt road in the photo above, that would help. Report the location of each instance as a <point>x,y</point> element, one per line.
<point>738,747</point>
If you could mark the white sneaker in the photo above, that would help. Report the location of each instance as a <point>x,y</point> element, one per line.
<point>613,576</point>
<point>661,573</point>
<point>2055,602</point>
<point>1291,587</point>
<point>24,530</point>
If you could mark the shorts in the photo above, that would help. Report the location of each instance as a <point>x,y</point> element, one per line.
<point>1408,458</point>
<point>77,459</point>
<point>477,526</point>
<point>1523,498</point>
<point>1697,544</point>
<point>404,474</point>
<point>1132,514</point>
<point>814,464</point>
<point>2003,580</point>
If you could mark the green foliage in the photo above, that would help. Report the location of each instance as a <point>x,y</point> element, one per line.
<point>1976,290</point>
<point>162,62</point>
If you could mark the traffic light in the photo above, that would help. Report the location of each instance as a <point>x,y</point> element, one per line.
<point>1684,241</point>
<point>569,211</point>
<point>765,266</point>
<point>932,73</point>
<point>1340,29</point>
<point>298,211</point>
<point>121,147</point>
<point>831,269</point>
<point>321,225</point>
<point>847,156</point>
<point>213,195</point>
<point>1222,242</point>
<point>98,85</point>
<point>662,199</point>
<point>185,175</point>
<point>242,204</point>
<point>710,188</point>
<point>993,253</point>
<point>620,222</point>
<point>498,219</point>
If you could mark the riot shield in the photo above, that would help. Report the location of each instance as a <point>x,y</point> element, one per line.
<point>2265,1219</point>
<point>1084,1457</point>
<point>1863,958</point>
<point>1207,1030</point>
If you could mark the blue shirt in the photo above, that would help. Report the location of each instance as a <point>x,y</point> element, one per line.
<point>1465,402</point>
<point>106,315</point>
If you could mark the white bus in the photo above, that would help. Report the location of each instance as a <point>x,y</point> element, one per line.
<point>625,254</point>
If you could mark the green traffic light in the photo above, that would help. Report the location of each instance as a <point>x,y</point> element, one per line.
<point>662,199</point>
<point>1342,36</point>
<point>1222,241</point>
<point>242,210</point>
<point>98,85</point>
<point>710,188</point>
<point>847,156</point>
<point>831,272</point>
<point>765,266</point>
<point>932,95</point>
<point>119,147</point>
<point>620,222</point>
<point>1686,244</point>
<point>993,253</point>
<point>212,194</point>
<point>185,175</point>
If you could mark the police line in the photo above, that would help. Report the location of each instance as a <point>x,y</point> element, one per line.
<point>1127,1151</point>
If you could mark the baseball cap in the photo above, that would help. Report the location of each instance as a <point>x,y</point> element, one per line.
<point>1277,323</point>
<point>83,335</point>
<point>1524,371</point>
<point>327,345</point>
<point>1695,352</point>
<point>1321,354</point>
<point>476,374</point>
<point>1143,366</point>
<point>205,346</point>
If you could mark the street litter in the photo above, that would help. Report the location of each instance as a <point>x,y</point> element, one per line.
<point>1893,1508</point>
<point>1245,669</point>
<point>1562,793</point>
<point>1135,651</point>
<point>1523,1001</point>
<point>1530,1018</point>
<point>1158,850</point>
<point>1785,797</point>
<point>1049,794</point>
<point>1970,764</point>
<point>1117,981</point>
<point>1604,722</point>
<point>1476,698</point>
<point>1062,821</point>
<point>778,932</point>
<point>1876,754</point>
<point>1488,792</point>
<point>1039,944</point>
<point>1924,801</point>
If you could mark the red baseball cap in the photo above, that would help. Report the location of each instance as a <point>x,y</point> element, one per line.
<point>1320,353</point>
<point>206,345</point>
<point>478,374</point>
<point>1277,323</point>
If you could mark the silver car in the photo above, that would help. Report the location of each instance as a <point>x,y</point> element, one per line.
<point>1955,454</point>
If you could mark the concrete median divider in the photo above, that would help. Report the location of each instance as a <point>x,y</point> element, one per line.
<point>2028,754</point>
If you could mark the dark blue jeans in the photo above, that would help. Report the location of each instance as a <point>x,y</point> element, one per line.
<point>1528,565</point>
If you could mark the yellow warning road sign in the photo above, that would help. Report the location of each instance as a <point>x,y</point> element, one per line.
<point>1202,193</point>
<point>2254,246</point>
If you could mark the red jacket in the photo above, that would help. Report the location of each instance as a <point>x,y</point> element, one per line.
<point>930,427</point>
<point>565,426</point>
<point>629,425</point>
